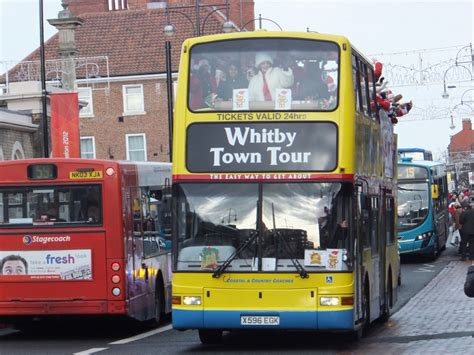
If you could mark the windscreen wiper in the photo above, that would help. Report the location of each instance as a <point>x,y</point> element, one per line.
<point>236,253</point>
<point>300,268</point>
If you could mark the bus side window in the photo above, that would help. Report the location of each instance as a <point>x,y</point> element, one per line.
<point>372,94</point>
<point>365,219</point>
<point>160,217</point>
<point>364,84</point>
<point>151,244</point>
<point>2,217</point>
<point>374,222</point>
<point>137,217</point>
<point>356,80</point>
<point>389,220</point>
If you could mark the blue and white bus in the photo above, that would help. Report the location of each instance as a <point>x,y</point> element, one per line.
<point>423,217</point>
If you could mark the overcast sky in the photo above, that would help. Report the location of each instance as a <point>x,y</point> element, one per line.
<point>401,32</point>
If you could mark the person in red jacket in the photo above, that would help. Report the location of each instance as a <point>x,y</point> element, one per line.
<point>202,87</point>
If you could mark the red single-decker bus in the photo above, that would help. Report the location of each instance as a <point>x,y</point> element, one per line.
<point>84,237</point>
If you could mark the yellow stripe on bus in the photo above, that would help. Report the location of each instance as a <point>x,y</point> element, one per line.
<point>75,175</point>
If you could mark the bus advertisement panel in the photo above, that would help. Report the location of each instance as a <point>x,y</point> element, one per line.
<point>84,237</point>
<point>283,191</point>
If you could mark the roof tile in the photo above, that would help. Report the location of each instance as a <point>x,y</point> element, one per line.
<point>133,40</point>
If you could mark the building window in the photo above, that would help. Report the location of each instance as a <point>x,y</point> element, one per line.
<point>133,100</point>
<point>17,151</point>
<point>85,94</point>
<point>136,147</point>
<point>88,147</point>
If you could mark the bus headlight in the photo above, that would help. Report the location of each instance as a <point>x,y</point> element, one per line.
<point>192,300</point>
<point>329,301</point>
<point>424,236</point>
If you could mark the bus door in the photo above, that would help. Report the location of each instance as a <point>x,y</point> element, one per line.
<point>376,257</point>
<point>360,223</point>
<point>138,272</point>
<point>383,247</point>
<point>357,250</point>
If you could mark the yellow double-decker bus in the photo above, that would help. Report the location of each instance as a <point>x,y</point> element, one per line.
<point>283,177</point>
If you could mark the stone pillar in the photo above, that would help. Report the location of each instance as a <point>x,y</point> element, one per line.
<point>37,118</point>
<point>66,23</point>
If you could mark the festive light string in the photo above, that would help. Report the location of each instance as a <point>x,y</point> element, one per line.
<point>401,75</point>
<point>433,112</point>
<point>417,51</point>
<point>426,69</point>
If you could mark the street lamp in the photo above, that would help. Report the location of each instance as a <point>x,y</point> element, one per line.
<point>232,213</point>
<point>445,93</point>
<point>462,96</point>
<point>168,31</point>
<point>470,52</point>
<point>198,28</point>
<point>462,103</point>
<point>44,113</point>
<point>260,19</point>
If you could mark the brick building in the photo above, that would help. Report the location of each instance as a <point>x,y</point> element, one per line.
<point>16,135</point>
<point>121,71</point>
<point>461,153</point>
<point>19,115</point>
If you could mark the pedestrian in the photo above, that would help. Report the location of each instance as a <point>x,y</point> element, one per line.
<point>467,235</point>
<point>263,85</point>
<point>469,283</point>
<point>457,227</point>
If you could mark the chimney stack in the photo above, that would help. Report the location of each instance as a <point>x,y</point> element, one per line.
<point>466,124</point>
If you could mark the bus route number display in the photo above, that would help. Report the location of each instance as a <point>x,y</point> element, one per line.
<point>42,172</point>
<point>259,147</point>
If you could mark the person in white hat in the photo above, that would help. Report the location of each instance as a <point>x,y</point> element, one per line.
<point>263,85</point>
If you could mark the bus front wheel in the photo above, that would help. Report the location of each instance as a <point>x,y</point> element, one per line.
<point>434,255</point>
<point>358,334</point>
<point>366,306</point>
<point>388,301</point>
<point>210,336</point>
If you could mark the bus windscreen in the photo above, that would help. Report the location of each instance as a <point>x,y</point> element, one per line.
<point>413,204</point>
<point>217,220</point>
<point>50,205</point>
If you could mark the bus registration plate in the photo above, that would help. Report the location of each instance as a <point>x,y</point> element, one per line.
<point>259,320</point>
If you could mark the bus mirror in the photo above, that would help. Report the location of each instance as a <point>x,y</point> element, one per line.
<point>434,191</point>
